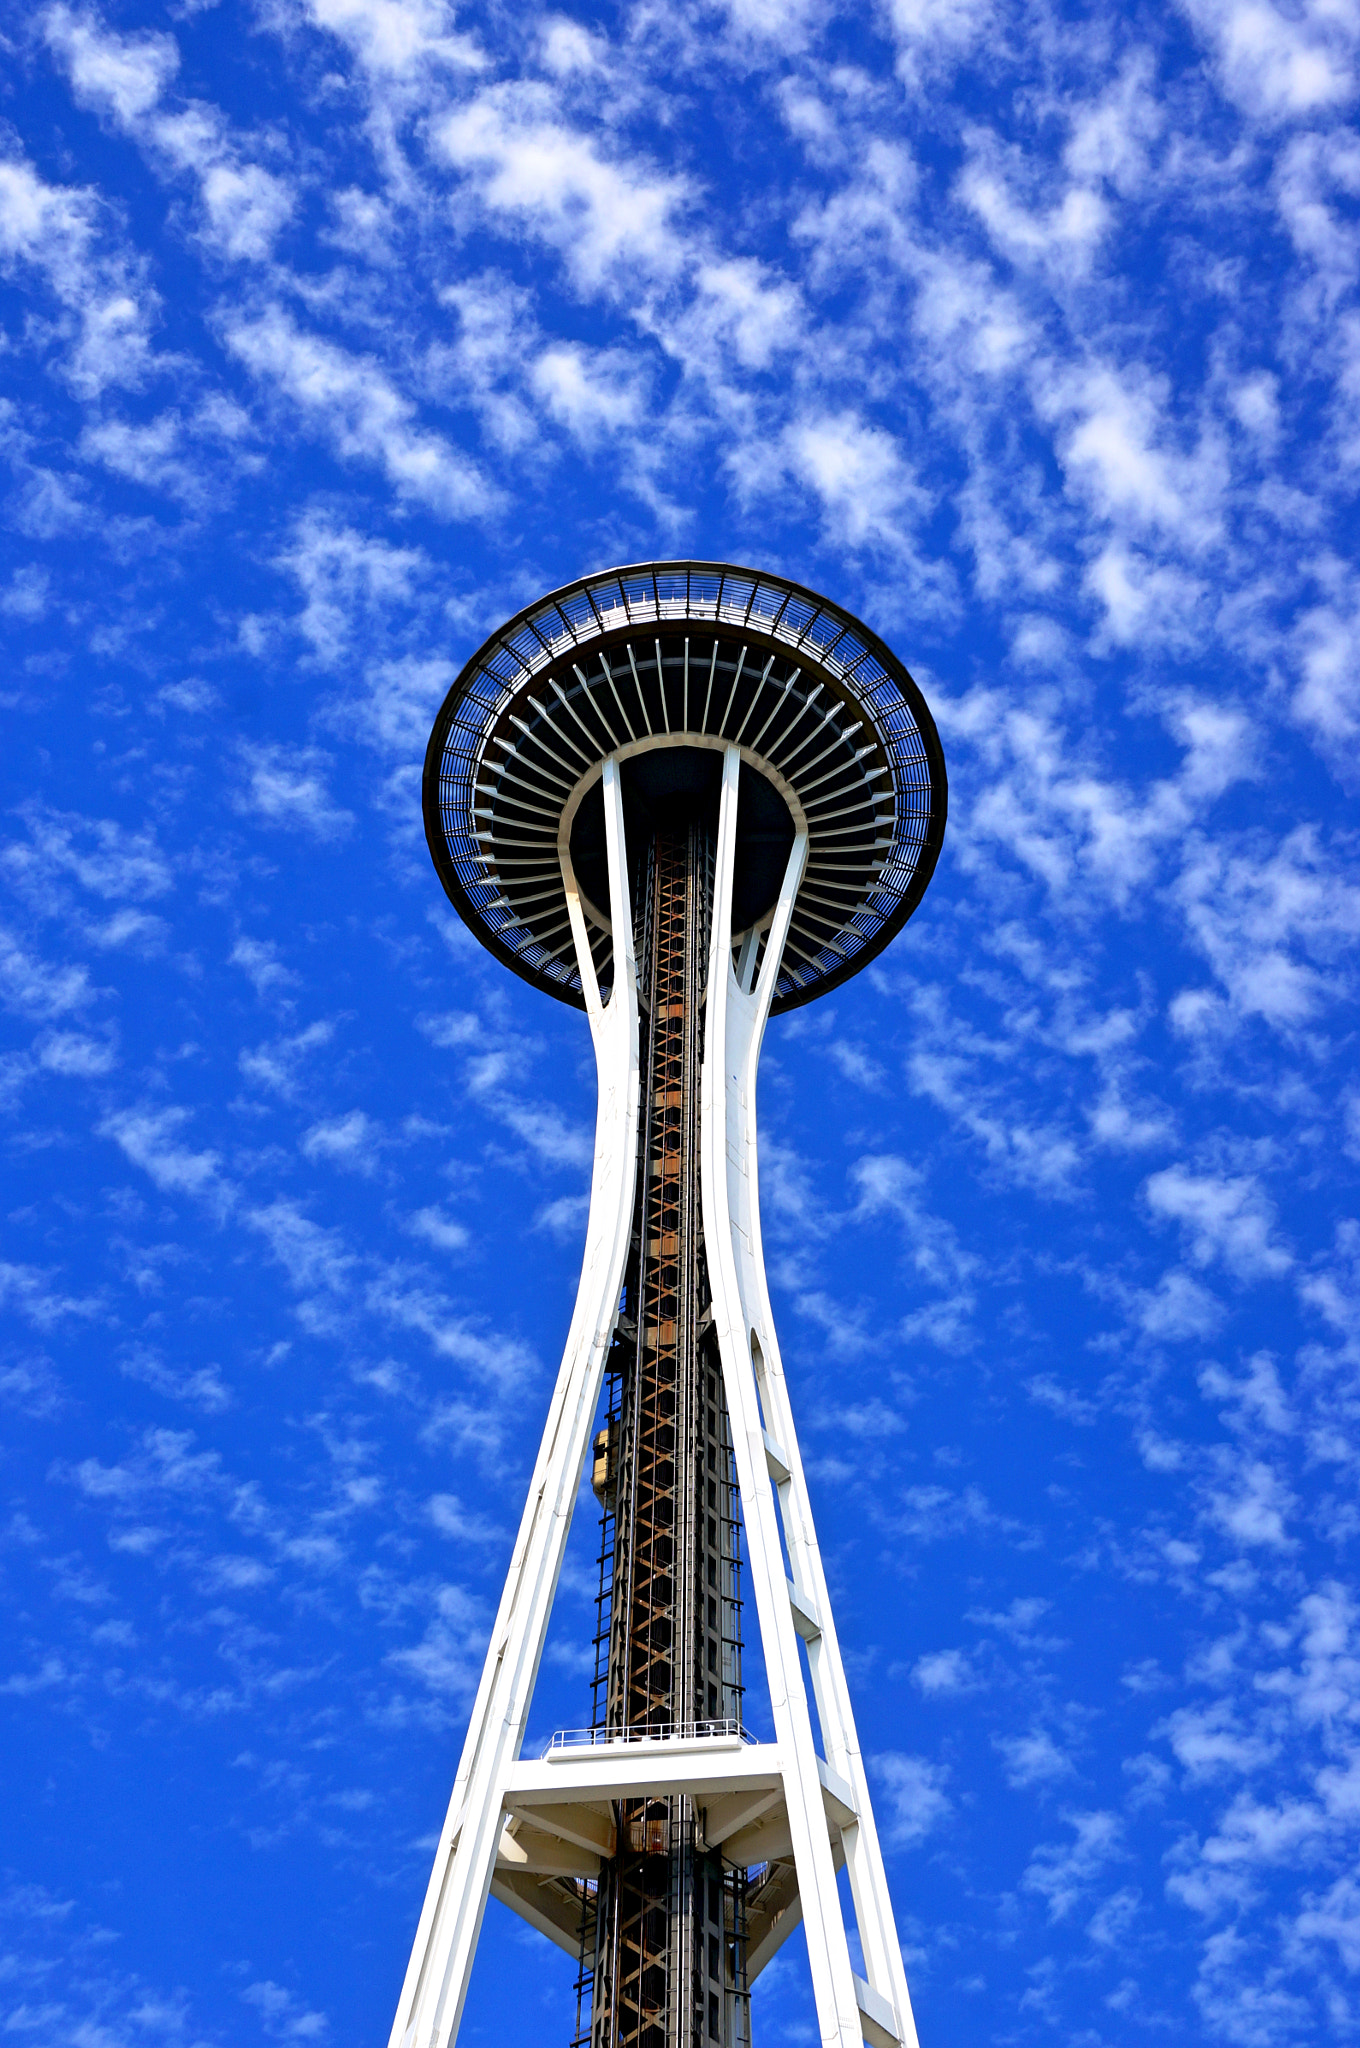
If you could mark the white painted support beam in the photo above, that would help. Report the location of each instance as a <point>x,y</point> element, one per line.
<point>776,1464</point>
<point>541,1852</point>
<point>544,1910</point>
<point>589,1827</point>
<point>730,1814</point>
<point>804,1614</point>
<point>767,1840</point>
<point>837,1796</point>
<point>877,2017</point>
<point>733,1029</point>
<point>767,1834</point>
<point>768,1942</point>
<point>432,1996</point>
<point>766,1448</point>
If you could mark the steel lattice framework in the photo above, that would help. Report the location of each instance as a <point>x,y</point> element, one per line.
<point>682,796</point>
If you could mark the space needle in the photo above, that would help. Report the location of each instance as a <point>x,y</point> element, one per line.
<point>680,797</point>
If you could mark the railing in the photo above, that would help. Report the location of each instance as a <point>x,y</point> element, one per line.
<point>669,1731</point>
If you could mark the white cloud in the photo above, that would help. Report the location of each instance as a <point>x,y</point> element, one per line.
<point>277,1065</point>
<point>25,595</point>
<point>37,989</point>
<point>121,75</point>
<point>150,1139</point>
<point>454,1028</point>
<point>396,38</point>
<point>125,78</point>
<point>933,35</point>
<point>199,1387</point>
<point>1333,1917</point>
<point>495,1065</point>
<point>32,1294</point>
<point>315,1258</point>
<point>1208,1742</point>
<point>31,1386</point>
<point>1257,1398</point>
<point>1144,602</point>
<point>757,315</point>
<point>860,477</point>
<point>349,580</point>
<point>1062,1399</point>
<point>1063,1873</point>
<point>943,1671</point>
<point>487,365</point>
<point>1031,1155</point>
<point>1065,235</point>
<point>286,786</point>
<point>1254,1506</point>
<point>593,393</point>
<point>57,231</point>
<point>1019,1623</point>
<point>1273,924</point>
<point>1033,1759</point>
<point>258,958</point>
<point>448,1659</point>
<point>885,1184</point>
<point>452,1518</point>
<point>352,1142</point>
<point>1327,700</point>
<point>394,707</point>
<point>1113,133</point>
<point>404,1298</point>
<point>1114,449</point>
<point>1178,1308</point>
<point>1225,1217</point>
<point>151,452</point>
<point>246,207</point>
<point>284,2017</point>
<point>437,1229</point>
<point>1280,65</point>
<point>351,402</point>
<point>570,50</point>
<point>1256,403</point>
<point>564,1219</point>
<point>916,1802</point>
<point>1045,796</point>
<point>76,1055</point>
<point>612,220</point>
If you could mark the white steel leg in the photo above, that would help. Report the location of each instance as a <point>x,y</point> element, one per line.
<point>441,1960</point>
<point>864,1859</point>
<point>753,1375</point>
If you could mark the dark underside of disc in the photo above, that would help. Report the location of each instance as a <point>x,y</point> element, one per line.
<point>668,787</point>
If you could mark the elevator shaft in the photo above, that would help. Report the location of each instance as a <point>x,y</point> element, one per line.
<point>665,1953</point>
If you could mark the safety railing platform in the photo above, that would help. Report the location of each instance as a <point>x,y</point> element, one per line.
<point>670,1731</point>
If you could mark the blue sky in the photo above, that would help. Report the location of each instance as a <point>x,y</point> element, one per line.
<point>334,331</point>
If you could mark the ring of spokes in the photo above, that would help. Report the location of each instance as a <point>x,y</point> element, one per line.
<point>833,732</point>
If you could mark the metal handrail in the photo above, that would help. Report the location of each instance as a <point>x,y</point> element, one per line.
<point>669,1731</point>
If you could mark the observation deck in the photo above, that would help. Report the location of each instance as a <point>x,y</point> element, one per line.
<point>664,665</point>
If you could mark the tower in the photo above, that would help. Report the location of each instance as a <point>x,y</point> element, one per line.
<point>680,797</point>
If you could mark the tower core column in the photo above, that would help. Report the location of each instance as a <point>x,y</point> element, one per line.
<point>665,1955</point>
